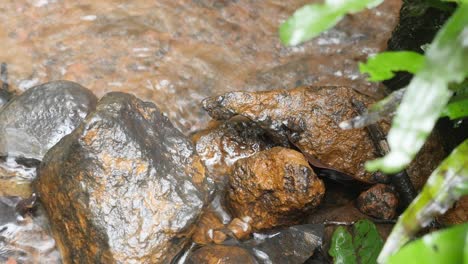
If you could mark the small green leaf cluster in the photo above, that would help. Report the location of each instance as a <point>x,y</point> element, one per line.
<point>361,247</point>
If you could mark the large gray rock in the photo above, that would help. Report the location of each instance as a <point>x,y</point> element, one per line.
<point>33,122</point>
<point>124,187</point>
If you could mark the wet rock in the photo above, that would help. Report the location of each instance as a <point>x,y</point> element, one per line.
<point>220,146</point>
<point>273,187</point>
<point>218,254</point>
<point>33,122</point>
<point>426,161</point>
<point>240,228</point>
<point>124,187</point>
<point>458,214</point>
<point>380,201</point>
<point>206,228</point>
<point>219,237</point>
<point>28,240</point>
<point>5,93</point>
<point>347,213</point>
<point>308,117</point>
<point>15,179</point>
<point>292,245</point>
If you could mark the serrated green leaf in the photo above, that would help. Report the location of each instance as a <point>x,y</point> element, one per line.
<point>446,246</point>
<point>367,242</point>
<point>310,20</point>
<point>384,65</point>
<point>427,94</point>
<point>341,248</point>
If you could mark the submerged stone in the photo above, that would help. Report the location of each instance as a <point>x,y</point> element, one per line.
<point>240,228</point>
<point>292,245</point>
<point>25,239</point>
<point>33,122</point>
<point>175,53</point>
<point>225,143</point>
<point>124,187</point>
<point>219,254</point>
<point>206,227</point>
<point>274,187</point>
<point>308,117</point>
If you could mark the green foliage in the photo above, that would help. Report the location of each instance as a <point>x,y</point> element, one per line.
<point>457,1</point>
<point>445,185</point>
<point>458,105</point>
<point>341,248</point>
<point>363,247</point>
<point>382,66</point>
<point>456,109</point>
<point>310,20</point>
<point>438,75</point>
<point>427,94</point>
<point>447,246</point>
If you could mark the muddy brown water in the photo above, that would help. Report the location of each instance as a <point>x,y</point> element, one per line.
<point>174,53</point>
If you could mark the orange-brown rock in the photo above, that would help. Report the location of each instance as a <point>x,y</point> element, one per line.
<point>458,214</point>
<point>124,187</point>
<point>274,187</point>
<point>309,118</point>
<point>222,144</point>
<point>218,254</point>
<point>241,229</point>
<point>219,237</point>
<point>380,201</point>
<point>208,223</point>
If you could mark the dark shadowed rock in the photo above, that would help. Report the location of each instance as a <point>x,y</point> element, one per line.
<point>273,187</point>
<point>218,254</point>
<point>308,117</point>
<point>380,201</point>
<point>124,187</point>
<point>5,93</point>
<point>224,143</point>
<point>343,215</point>
<point>292,245</point>
<point>33,122</point>
<point>426,161</point>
